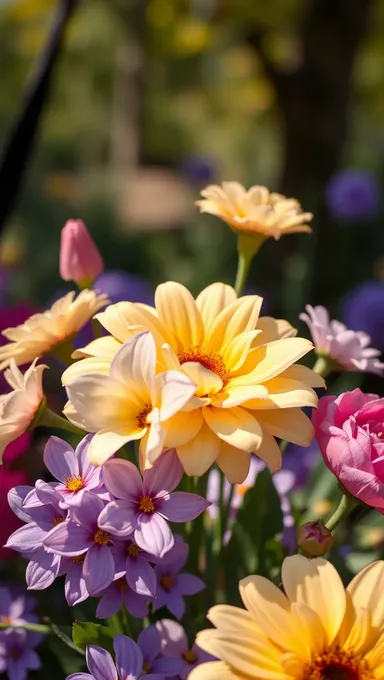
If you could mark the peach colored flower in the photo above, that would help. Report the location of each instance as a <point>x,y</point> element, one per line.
<point>130,403</point>
<point>248,388</point>
<point>315,629</point>
<point>44,333</point>
<point>18,409</point>
<point>256,211</point>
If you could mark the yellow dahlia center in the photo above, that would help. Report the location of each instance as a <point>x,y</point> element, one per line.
<point>189,656</point>
<point>133,550</point>
<point>79,559</point>
<point>142,416</point>
<point>101,537</point>
<point>146,504</point>
<point>213,362</point>
<point>74,483</point>
<point>337,664</point>
<point>166,582</point>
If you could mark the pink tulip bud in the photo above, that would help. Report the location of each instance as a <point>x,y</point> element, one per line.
<point>80,260</point>
<point>314,539</point>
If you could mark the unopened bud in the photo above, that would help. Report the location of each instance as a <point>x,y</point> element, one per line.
<point>80,260</point>
<point>314,539</point>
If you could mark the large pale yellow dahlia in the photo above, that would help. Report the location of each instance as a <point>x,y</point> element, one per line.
<point>316,631</point>
<point>248,388</point>
<point>254,211</point>
<point>44,333</point>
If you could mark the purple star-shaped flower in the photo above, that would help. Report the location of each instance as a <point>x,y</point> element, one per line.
<point>117,594</point>
<point>82,535</point>
<point>174,643</point>
<point>171,585</point>
<point>155,664</point>
<point>144,506</point>
<point>15,609</point>
<point>135,564</point>
<point>39,507</point>
<point>17,655</point>
<point>73,470</point>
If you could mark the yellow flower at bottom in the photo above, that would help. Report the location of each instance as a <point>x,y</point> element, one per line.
<point>248,389</point>
<point>317,630</point>
<point>256,211</point>
<point>19,408</point>
<point>44,333</point>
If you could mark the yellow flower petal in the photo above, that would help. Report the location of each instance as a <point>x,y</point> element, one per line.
<point>233,620</point>
<point>212,300</point>
<point>361,635</point>
<point>274,329</point>
<point>233,462</point>
<point>182,428</point>
<point>206,381</point>
<point>284,393</point>
<point>84,366</point>
<point>233,396</point>
<point>317,584</point>
<point>234,426</point>
<point>104,444</point>
<point>237,318</point>
<point>304,374</point>
<point>269,452</point>
<point>270,360</point>
<point>178,312</point>
<point>367,591</point>
<point>200,453</point>
<point>290,424</point>
<point>236,352</point>
<point>212,670</point>
<point>104,348</point>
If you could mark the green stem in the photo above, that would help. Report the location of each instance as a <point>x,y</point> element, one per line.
<point>324,366</point>
<point>243,266</point>
<point>31,627</point>
<point>51,419</point>
<point>227,508</point>
<point>345,507</point>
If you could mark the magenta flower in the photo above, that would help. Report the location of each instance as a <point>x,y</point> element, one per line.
<point>145,506</point>
<point>39,507</point>
<point>83,535</point>
<point>174,643</point>
<point>117,594</point>
<point>348,349</point>
<point>171,586</point>
<point>349,430</point>
<point>17,654</point>
<point>73,470</point>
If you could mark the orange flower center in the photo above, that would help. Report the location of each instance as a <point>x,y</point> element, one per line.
<point>146,666</point>
<point>101,537</point>
<point>57,520</point>
<point>213,362</point>
<point>336,664</point>
<point>167,582</point>
<point>122,584</point>
<point>74,483</point>
<point>79,559</point>
<point>133,550</point>
<point>142,417</point>
<point>189,656</point>
<point>6,620</point>
<point>146,504</point>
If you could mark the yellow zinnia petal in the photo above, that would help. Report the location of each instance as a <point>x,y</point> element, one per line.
<point>270,360</point>
<point>178,312</point>
<point>182,428</point>
<point>317,584</point>
<point>212,300</point>
<point>367,591</point>
<point>290,424</point>
<point>233,462</point>
<point>234,426</point>
<point>212,670</point>
<point>205,380</point>
<point>200,453</point>
<point>269,452</point>
<point>235,353</point>
<point>284,393</point>
<point>305,375</point>
<point>237,318</point>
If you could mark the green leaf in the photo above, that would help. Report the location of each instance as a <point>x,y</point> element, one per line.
<point>84,634</point>
<point>64,634</point>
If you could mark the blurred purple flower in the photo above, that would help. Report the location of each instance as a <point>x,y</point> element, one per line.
<point>363,310</point>
<point>17,655</point>
<point>15,609</point>
<point>39,507</point>
<point>171,586</point>
<point>353,195</point>
<point>121,286</point>
<point>174,643</point>
<point>117,594</point>
<point>72,468</point>
<point>154,663</point>
<point>145,506</point>
<point>82,534</point>
<point>300,461</point>
<point>198,170</point>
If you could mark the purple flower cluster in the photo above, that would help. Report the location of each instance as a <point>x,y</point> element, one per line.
<point>161,651</point>
<point>106,529</point>
<point>17,646</point>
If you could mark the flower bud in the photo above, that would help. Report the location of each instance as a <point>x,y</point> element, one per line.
<point>314,539</point>
<point>80,260</point>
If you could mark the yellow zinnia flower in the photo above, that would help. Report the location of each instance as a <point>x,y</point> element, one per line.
<point>256,211</point>
<point>316,631</point>
<point>44,333</point>
<point>248,390</point>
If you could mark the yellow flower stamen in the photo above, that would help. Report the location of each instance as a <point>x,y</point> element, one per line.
<point>74,483</point>
<point>213,362</point>
<point>189,656</point>
<point>57,520</point>
<point>337,664</point>
<point>133,550</point>
<point>146,504</point>
<point>122,584</point>
<point>167,582</point>
<point>101,537</point>
<point>143,415</point>
<point>79,559</point>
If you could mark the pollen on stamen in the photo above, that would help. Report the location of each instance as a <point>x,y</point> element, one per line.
<point>101,537</point>
<point>213,362</point>
<point>340,664</point>
<point>74,483</point>
<point>79,559</point>
<point>57,520</point>
<point>133,550</point>
<point>142,417</point>
<point>146,504</point>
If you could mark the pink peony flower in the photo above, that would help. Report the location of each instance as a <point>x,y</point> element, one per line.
<point>80,260</point>
<point>350,433</point>
<point>349,349</point>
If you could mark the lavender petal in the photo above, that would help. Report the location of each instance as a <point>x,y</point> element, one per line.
<point>42,570</point>
<point>141,576</point>
<point>60,459</point>
<point>122,479</point>
<point>119,518</point>
<point>26,539</point>
<point>129,658</point>
<point>100,663</point>
<point>188,584</point>
<point>149,642</point>
<point>164,475</point>
<point>182,507</point>
<point>98,569</point>
<point>75,589</point>
<point>154,535</point>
